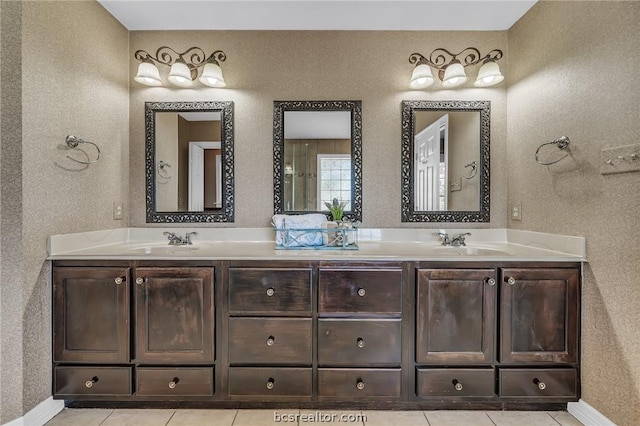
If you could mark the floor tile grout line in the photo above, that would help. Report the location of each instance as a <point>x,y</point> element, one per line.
<point>235,416</point>
<point>554,419</point>
<point>171,417</point>
<point>424,413</point>
<point>108,415</point>
<point>490,419</point>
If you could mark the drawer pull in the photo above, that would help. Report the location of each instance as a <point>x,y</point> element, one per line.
<point>271,383</point>
<point>360,342</point>
<point>456,384</point>
<point>270,291</point>
<point>119,280</point>
<point>541,385</point>
<point>173,383</point>
<point>271,340</point>
<point>361,292</point>
<point>511,281</point>
<point>139,280</point>
<point>491,281</point>
<point>360,384</point>
<point>89,383</point>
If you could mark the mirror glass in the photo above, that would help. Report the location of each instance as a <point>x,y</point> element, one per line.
<point>445,161</point>
<point>189,161</point>
<point>317,156</point>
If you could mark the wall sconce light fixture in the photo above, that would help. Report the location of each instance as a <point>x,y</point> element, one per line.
<point>183,71</point>
<point>451,70</point>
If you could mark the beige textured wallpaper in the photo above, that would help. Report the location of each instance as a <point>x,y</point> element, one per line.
<point>573,70</point>
<point>263,66</point>
<point>74,81</point>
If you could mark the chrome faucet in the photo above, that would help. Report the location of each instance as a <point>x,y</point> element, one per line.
<point>455,241</point>
<point>175,240</point>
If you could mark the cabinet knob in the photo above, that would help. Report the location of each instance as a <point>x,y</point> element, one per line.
<point>511,281</point>
<point>360,342</point>
<point>456,384</point>
<point>270,292</point>
<point>361,292</point>
<point>491,281</point>
<point>541,385</point>
<point>119,280</point>
<point>271,340</point>
<point>270,383</point>
<point>360,384</point>
<point>139,280</point>
<point>89,383</point>
<point>173,383</point>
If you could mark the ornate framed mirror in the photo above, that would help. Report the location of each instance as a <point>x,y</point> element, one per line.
<point>189,162</point>
<point>445,161</point>
<point>317,156</point>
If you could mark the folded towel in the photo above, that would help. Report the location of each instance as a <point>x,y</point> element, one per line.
<point>306,223</point>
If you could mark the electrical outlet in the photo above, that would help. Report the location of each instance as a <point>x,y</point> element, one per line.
<point>455,185</point>
<point>516,211</point>
<point>118,211</point>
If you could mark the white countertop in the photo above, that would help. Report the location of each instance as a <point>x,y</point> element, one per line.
<point>259,244</point>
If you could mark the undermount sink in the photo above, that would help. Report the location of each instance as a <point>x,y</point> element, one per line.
<point>469,251</point>
<point>161,249</point>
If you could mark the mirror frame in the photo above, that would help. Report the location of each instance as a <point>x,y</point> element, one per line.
<point>226,213</point>
<point>355,107</point>
<point>408,130</point>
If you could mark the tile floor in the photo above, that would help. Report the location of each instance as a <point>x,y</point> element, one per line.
<point>156,417</point>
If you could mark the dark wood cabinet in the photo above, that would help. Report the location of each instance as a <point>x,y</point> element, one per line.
<point>174,315</point>
<point>318,334</point>
<point>539,315</point>
<point>91,315</point>
<point>455,316</point>
<point>273,341</point>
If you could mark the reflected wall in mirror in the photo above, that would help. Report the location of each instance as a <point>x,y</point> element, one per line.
<point>317,156</point>
<point>189,161</point>
<point>445,161</point>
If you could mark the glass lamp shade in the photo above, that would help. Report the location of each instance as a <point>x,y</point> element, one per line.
<point>212,76</point>
<point>488,75</point>
<point>180,75</point>
<point>148,74</point>
<point>421,77</point>
<point>454,75</point>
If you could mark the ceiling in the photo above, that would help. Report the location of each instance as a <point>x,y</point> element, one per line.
<point>390,15</point>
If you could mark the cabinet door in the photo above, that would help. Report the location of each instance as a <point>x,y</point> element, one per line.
<point>91,315</point>
<point>539,315</point>
<point>174,315</point>
<point>455,316</point>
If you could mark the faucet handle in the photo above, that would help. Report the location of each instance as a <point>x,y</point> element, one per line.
<point>169,234</point>
<point>187,237</point>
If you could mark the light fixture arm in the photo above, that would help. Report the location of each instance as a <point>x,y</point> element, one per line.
<point>441,58</point>
<point>195,57</point>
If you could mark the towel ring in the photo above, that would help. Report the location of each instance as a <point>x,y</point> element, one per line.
<point>561,143</point>
<point>73,142</point>
<point>474,170</point>
<point>161,168</point>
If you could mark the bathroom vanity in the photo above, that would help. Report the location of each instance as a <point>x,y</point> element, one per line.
<point>238,324</point>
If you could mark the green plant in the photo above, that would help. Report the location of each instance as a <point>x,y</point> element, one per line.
<point>336,208</point>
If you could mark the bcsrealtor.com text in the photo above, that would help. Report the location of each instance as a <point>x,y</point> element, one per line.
<point>319,417</point>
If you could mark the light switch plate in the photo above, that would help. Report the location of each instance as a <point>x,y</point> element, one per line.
<point>118,211</point>
<point>620,159</point>
<point>516,211</point>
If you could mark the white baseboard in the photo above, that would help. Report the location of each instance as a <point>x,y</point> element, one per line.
<point>40,414</point>
<point>588,415</point>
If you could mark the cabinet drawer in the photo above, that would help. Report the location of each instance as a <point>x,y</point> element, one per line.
<point>539,383</point>
<point>358,382</point>
<point>263,291</point>
<point>93,381</point>
<point>360,291</point>
<point>270,381</point>
<point>174,381</point>
<point>270,341</point>
<point>443,382</point>
<point>357,342</point>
